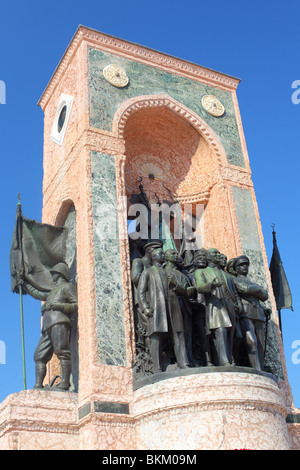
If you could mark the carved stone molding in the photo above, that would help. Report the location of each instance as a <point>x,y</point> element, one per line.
<point>187,409</point>
<point>138,53</point>
<point>237,175</point>
<point>30,425</point>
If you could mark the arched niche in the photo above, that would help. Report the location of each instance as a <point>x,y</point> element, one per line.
<point>202,178</point>
<point>164,150</point>
<point>177,158</point>
<point>170,149</point>
<point>67,217</point>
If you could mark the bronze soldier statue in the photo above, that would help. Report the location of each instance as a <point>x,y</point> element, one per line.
<point>59,305</point>
<point>253,315</point>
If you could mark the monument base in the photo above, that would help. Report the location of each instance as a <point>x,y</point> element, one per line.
<point>220,410</point>
<point>199,410</point>
<point>39,420</point>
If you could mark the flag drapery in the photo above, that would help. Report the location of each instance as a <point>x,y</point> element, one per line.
<point>281,288</point>
<point>36,247</point>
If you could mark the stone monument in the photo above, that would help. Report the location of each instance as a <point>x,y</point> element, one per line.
<point>126,124</point>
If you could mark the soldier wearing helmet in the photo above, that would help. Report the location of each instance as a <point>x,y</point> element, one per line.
<point>254,314</point>
<point>59,305</point>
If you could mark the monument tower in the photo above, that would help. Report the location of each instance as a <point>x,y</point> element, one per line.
<point>121,120</point>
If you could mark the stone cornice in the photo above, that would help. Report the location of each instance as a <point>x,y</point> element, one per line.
<point>141,54</point>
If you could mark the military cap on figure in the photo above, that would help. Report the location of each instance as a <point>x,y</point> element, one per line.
<point>230,267</point>
<point>63,269</point>
<point>153,244</point>
<point>240,260</point>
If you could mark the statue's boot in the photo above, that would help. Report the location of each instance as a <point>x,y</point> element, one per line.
<point>66,369</point>
<point>221,347</point>
<point>180,351</point>
<point>40,374</point>
<point>254,361</point>
<point>155,349</point>
<point>251,342</point>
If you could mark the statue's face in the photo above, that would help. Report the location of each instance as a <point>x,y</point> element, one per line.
<point>171,255</point>
<point>223,260</point>
<point>242,269</point>
<point>158,256</point>
<point>200,261</point>
<point>149,250</point>
<point>214,256</point>
<point>56,277</point>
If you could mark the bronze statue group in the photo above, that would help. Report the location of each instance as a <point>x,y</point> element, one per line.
<point>204,313</point>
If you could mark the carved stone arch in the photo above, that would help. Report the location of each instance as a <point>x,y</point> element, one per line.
<point>159,101</point>
<point>204,174</point>
<point>63,211</point>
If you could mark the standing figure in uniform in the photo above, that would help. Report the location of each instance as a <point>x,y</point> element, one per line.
<point>59,305</point>
<point>253,315</point>
<point>222,305</point>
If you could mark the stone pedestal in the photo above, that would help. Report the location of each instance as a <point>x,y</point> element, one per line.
<point>39,420</point>
<point>204,409</point>
<point>221,410</point>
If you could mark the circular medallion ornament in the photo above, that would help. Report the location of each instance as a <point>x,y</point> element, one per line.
<point>212,105</point>
<point>115,75</point>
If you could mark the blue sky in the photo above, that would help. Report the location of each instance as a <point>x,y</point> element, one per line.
<point>257,41</point>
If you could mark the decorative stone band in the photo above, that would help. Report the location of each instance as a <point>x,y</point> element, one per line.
<point>225,406</point>
<point>176,373</point>
<point>209,390</point>
<point>139,53</point>
<point>18,425</point>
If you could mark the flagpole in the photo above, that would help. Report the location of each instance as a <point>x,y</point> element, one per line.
<point>280,327</point>
<point>22,323</point>
<point>22,338</point>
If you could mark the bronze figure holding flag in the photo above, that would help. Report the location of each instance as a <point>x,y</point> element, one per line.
<point>38,267</point>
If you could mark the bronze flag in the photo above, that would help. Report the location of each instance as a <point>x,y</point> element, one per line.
<point>280,283</point>
<point>36,247</point>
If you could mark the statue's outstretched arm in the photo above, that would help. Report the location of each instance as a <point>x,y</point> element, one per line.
<point>35,293</point>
